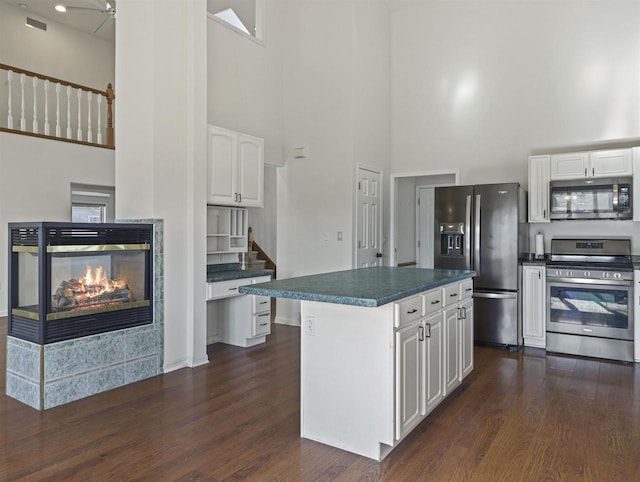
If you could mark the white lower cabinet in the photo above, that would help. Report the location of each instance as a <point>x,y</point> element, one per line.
<point>242,320</point>
<point>433,353</point>
<point>409,354</point>
<point>534,306</point>
<point>432,363</point>
<point>466,330</point>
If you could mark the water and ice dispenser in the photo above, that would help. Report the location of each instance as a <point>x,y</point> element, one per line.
<point>452,239</point>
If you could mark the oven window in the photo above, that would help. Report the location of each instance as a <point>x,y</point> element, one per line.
<point>590,307</point>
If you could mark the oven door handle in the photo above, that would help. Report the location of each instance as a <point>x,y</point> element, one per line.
<point>581,281</point>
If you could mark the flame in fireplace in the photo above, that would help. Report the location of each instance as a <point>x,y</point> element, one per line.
<point>91,290</point>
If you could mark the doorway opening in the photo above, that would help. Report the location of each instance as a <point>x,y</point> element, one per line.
<point>412,197</point>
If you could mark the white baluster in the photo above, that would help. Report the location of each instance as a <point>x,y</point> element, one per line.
<point>79,115</point>
<point>99,136</point>
<point>89,133</point>
<point>35,105</point>
<point>46,107</point>
<point>10,113</point>
<point>68,112</point>
<point>58,127</point>
<point>23,120</point>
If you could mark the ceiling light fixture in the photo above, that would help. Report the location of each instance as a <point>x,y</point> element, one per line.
<point>60,8</point>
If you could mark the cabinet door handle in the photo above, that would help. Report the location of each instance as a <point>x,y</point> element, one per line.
<point>593,171</point>
<point>539,276</point>
<point>421,333</point>
<point>462,313</point>
<point>428,335</point>
<point>585,172</point>
<point>240,197</point>
<point>544,213</point>
<point>435,302</point>
<point>412,311</point>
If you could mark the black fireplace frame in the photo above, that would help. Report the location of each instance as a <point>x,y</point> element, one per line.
<point>37,237</point>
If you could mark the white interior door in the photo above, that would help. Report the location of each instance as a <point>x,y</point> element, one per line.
<point>424,223</point>
<point>369,218</point>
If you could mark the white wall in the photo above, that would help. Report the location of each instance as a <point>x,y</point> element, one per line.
<point>482,85</point>
<point>405,218</point>
<point>59,52</point>
<point>336,104</point>
<point>35,183</point>
<point>162,151</point>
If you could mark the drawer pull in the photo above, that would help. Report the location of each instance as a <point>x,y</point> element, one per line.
<point>233,289</point>
<point>263,302</point>
<point>412,311</point>
<point>435,302</point>
<point>453,294</point>
<point>471,289</point>
<point>264,314</point>
<point>263,324</point>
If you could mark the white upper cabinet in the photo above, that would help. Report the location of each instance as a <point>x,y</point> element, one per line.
<point>613,162</point>
<point>607,163</point>
<point>235,169</point>
<point>539,189</point>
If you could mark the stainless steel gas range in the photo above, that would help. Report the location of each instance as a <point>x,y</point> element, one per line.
<point>590,298</point>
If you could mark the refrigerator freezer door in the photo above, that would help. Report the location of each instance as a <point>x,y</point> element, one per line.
<point>496,259</point>
<point>453,208</point>
<point>496,319</point>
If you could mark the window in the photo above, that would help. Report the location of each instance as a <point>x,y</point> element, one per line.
<point>92,204</point>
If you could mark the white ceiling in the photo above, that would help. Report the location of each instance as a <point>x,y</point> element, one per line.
<point>84,20</point>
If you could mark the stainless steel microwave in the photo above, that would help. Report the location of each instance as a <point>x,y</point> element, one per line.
<point>591,198</point>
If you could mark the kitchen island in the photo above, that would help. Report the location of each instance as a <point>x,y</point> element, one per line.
<point>380,349</point>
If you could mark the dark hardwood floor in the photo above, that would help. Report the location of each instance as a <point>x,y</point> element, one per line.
<point>518,416</point>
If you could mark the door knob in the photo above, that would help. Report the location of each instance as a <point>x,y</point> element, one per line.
<point>378,255</point>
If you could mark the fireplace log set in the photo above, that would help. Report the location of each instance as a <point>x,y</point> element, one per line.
<point>73,295</point>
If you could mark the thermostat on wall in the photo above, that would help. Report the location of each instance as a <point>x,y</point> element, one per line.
<point>300,152</point>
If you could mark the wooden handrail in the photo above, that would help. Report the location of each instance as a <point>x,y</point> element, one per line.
<point>85,130</point>
<point>18,70</point>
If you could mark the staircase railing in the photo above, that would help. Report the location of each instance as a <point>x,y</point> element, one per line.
<point>44,106</point>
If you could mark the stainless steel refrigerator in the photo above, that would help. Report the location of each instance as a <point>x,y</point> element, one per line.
<point>484,228</point>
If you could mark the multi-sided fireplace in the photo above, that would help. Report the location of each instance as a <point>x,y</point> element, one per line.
<point>71,280</point>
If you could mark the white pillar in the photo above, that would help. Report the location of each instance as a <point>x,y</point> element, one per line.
<point>161,76</point>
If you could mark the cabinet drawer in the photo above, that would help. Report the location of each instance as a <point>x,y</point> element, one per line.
<point>261,304</point>
<point>224,289</point>
<point>432,301</point>
<point>408,310</point>
<point>451,294</point>
<point>261,324</point>
<point>466,288</point>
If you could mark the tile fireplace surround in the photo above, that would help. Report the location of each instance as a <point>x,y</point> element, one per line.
<point>45,376</point>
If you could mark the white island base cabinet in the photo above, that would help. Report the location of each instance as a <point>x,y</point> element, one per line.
<point>370,375</point>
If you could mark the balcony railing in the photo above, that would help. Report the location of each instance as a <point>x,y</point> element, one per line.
<point>42,106</point>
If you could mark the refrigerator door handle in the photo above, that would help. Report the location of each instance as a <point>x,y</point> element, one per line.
<point>476,236</point>
<point>507,296</point>
<point>467,233</point>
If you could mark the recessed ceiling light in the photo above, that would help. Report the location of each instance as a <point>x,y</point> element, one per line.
<point>23,5</point>
<point>60,8</point>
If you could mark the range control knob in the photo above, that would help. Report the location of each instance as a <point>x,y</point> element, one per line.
<point>617,275</point>
<point>587,274</point>
<point>606,275</point>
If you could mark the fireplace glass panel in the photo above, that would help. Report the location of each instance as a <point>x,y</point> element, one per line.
<point>96,281</point>
<point>28,281</point>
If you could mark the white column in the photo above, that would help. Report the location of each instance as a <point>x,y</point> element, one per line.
<point>68,112</point>
<point>46,108</point>
<point>9,103</point>
<point>99,136</point>
<point>35,105</point>
<point>23,120</point>
<point>79,114</point>
<point>58,126</point>
<point>89,133</point>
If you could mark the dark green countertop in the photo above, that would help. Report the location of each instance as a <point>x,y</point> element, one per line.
<point>359,287</point>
